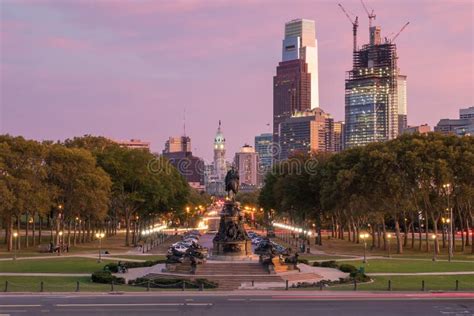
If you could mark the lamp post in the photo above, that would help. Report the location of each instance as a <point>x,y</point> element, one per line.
<point>434,246</point>
<point>389,238</point>
<point>364,238</point>
<point>15,244</point>
<point>60,242</point>
<point>447,188</point>
<point>100,236</point>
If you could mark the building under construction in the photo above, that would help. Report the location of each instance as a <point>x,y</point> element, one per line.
<point>371,91</point>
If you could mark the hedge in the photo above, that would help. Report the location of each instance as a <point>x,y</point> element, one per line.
<point>106,277</point>
<point>348,268</point>
<point>329,264</point>
<point>173,283</point>
<point>113,267</point>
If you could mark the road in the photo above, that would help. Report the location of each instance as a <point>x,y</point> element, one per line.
<point>301,303</point>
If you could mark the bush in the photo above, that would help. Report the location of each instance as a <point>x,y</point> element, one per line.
<point>112,267</point>
<point>329,264</point>
<point>173,283</point>
<point>360,277</point>
<point>106,277</point>
<point>316,264</point>
<point>348,268</point>
<point>305,261</point>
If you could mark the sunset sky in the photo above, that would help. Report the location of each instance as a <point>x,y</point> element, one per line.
<point>128,69</point>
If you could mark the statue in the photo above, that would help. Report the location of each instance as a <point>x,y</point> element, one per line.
<point>232,183</point>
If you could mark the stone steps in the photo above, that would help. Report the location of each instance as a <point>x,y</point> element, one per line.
<point>231,269</point>
<point>228,275</point>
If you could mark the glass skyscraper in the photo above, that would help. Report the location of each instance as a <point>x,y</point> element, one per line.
<point>371,96</point>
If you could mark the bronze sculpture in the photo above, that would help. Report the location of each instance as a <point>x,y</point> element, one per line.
<point>232,183</point>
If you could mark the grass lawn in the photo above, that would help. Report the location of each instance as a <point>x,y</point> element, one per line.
<point>413,283</point>
<point>334,247</point>
<point>54,265</point>
<point>407,266</point>
<point>321,257</point>
<point>141,257</point>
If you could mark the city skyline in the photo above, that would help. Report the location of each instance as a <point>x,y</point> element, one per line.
<point>119,70</point>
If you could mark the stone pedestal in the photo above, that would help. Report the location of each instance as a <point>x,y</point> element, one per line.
<point>231,239</point>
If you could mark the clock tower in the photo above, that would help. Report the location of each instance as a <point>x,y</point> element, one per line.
<point>219,155</point>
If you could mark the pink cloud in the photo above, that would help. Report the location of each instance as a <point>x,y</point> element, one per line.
<point>67,43</point>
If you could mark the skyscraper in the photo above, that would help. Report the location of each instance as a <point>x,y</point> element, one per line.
<point>371,97</point>
<point>246,162</point>
<point>295,86</point>
<point>402,103</point>
<point>300,43</point>
<point>306,132</point>
<point>338,136</point>
<point>263,146</point>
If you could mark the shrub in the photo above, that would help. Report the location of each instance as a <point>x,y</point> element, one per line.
<point>112,267</point>
<point>360,277</point>
<point>175,283</point>
<point>148,263</point>
<point>329,264</point>
<point>305,261</point>
<point>316,264</point>
<point>106,277</point>
<point>348,268</point>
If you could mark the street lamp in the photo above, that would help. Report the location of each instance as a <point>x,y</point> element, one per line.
<point>15,245</point>
<point>100,236</point>
<point>60,243</point>
<point>389,237</point>
<point>364,238</point>
<point>434,246</point>
<point>447,188</point>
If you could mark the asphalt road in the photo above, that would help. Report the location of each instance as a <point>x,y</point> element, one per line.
<point>227,305</point>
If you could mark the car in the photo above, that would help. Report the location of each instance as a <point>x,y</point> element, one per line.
<point>180,248</point>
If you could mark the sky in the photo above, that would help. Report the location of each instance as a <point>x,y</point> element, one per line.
<point>131,69</point>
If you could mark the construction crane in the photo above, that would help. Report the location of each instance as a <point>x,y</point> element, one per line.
<point>396,35</point>
<point>370,15</point>
<point>355,25</point>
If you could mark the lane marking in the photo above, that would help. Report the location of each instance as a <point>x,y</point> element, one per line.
<point>112,304</point>
<point>21,305</point>
<point>199,304</point>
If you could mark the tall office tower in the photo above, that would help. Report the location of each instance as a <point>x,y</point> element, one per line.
<point>300,43</point>
<point>338,136</point>
<point>402,103</point>
<point>178,144</point>
<point>291,92</point>
<point>306,132</point>
<point>263,146</point>
<point>295,86</point>
<point>219,154</point>
<point>466,113</point>
<point>371,97</point>
<point>246,162</point>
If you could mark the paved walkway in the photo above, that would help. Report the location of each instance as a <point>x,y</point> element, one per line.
<point>91,256</point>
<point>421,273</point>
<point>45,274</point>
